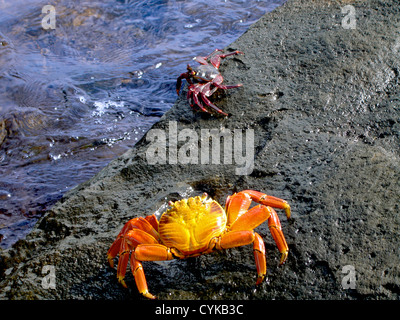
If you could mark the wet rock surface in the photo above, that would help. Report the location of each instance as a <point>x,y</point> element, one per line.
<point>323,101</point>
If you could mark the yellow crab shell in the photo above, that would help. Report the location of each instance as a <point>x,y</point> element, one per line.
<point>190,224</point>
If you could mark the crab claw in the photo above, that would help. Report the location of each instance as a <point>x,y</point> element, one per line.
<point>179,82</point>
<point>185,75</point>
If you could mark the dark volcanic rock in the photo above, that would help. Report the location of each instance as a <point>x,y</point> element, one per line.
<point>323,101</point>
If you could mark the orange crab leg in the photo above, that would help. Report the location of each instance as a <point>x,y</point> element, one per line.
<point>132,239</point>
<point>241,238</point>
<point>123,262</point>
<point>137,236</point>
<point>113,251</point>
<point>259,256</point>
<point>235,239</point>
<point>140,279</point>
<point>153,221</point>
<point>271,201</point>
<point>144,224</point>
<point>153,252</point>
<point>134,232</point>
<point>236,205</point>
<point>276,230</point>
<point>252,218</point>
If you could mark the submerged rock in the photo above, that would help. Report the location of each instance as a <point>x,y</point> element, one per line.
<point>321,96</point>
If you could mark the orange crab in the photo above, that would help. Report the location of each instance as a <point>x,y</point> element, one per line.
<point>196,226</point>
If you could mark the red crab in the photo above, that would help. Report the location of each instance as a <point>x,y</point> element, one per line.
<point>196,226</point>
<point>204,80</point>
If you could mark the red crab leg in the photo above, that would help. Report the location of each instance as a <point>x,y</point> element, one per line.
<point>203,60</point>
<point>217,81</point>
<point>221,86</point>
<point>140,279</point>
<point>184,75</point>
<point>267,200</point>
<point>198,103</point>
<point>216,59</point>
<point>204,91</point>
<point>210,104</point>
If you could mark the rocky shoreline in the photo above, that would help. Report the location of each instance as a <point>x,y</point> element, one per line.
<point>321,96</point>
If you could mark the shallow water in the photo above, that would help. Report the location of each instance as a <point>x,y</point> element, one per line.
<point>74,97</point>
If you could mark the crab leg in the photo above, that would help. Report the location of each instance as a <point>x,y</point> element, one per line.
<point>236,205</point>
<point>235,239</point>
<point>221,86</point>
<point>153,221</point>
<point>240,238</point>
<point>198,103</point>
<point>186,76</point>
<point>252,218</point>
<point>135,231</point>
<point>259,257</point>
<point>153,252</point>
<point>130,240</point>
<point>257,215</point>
<point>218,83</point>
<point>267,200</point>
<point>230,54</point>
<point>139,223</point>
<point>276,230</point>
<point>140,278</point>
<point>210,104</point>
<point>216,59</point>
<point>122,262</point>
<point>241,219</point>
<point>144,224</point>
<point>203,60</point>
<point>113,251</point>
